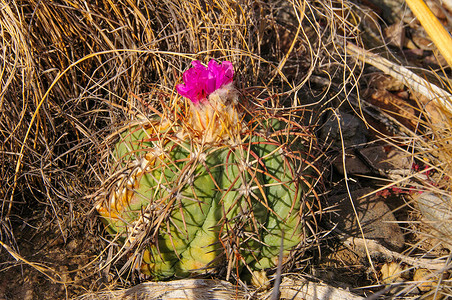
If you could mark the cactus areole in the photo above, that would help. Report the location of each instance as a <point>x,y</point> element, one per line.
<point>217,188</point>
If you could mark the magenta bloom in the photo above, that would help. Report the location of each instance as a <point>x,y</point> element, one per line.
<point>200,82</point>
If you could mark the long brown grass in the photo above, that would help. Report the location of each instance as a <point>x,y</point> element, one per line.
<point>74,71</point>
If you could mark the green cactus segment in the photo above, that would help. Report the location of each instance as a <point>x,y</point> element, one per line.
<point>210,200</point>
<point>133,144</point>
<point>187,236</point>
<point>283,194</point>
<point>242,207</point>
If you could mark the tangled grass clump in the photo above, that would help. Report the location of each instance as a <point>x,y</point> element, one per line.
<point>74,72</point>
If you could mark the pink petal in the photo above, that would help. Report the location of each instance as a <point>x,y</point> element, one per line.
<point>200,82</point>
<point>223,73</point>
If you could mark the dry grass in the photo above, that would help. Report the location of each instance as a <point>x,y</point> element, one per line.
<point>72,73</point>
<point>425,185</point>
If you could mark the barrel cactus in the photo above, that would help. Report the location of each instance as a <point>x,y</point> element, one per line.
<point>214,184</point>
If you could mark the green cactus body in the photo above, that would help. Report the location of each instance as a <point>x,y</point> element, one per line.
<point>211,203</point>
<point>216,188</point>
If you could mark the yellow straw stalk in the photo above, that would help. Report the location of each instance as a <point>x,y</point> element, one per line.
<point>439,35</point>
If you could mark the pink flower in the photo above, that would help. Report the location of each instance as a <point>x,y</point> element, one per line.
<point>200,82</point>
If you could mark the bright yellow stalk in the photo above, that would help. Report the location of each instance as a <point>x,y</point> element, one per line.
<point>439,35</point>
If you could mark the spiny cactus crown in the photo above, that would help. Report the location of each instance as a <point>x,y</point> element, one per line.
<point>214,116</point>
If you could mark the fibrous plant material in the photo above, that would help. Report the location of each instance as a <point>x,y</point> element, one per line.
<point>200,289</point>
<point>217,184</point>
<point>75,71</point>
